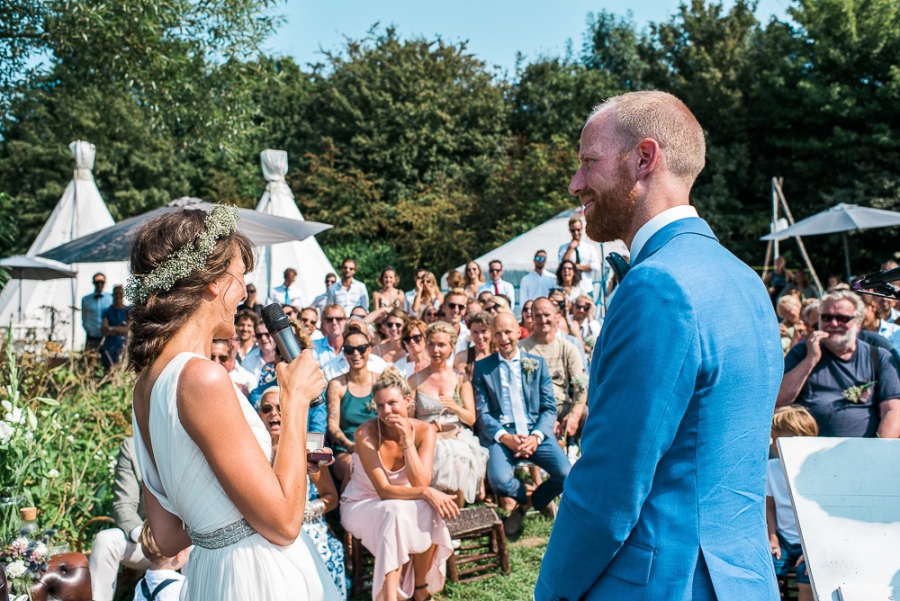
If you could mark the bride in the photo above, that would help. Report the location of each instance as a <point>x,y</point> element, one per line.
<point>203,451</point>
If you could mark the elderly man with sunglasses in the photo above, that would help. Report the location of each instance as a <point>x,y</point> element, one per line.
<point>851,387</point>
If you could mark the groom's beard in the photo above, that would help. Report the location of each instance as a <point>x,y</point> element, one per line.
<point>613,211</point>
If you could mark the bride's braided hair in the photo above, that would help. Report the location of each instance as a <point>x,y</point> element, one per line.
<point>155,321</point>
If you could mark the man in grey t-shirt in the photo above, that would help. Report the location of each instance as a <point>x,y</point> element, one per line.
<point>852,388</point>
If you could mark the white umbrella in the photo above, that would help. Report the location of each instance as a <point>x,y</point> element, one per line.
<point>841,218</point>
<point>22,267</point>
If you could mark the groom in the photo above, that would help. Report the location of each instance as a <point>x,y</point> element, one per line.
<point>668,498</point>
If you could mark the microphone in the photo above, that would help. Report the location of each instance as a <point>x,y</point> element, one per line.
<point>279,327</point>
<point>875,280</point>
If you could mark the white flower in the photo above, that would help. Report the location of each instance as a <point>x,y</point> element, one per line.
<point>21,598</point>
<point>6,432</point>
<point>41,548</point>
<point>7,406</point>
<point>112,466</point>
<point>16,569</point>
<point>29,436</point>
<point>53,473</point>
<point>15,416</point>
<point>70,438</point>
<point>21,542</point>
<point>76,416</point>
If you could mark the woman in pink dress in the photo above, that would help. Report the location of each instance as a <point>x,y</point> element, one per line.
<point>389,504</point>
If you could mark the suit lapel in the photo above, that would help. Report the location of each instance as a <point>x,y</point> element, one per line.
<point>496,383</point>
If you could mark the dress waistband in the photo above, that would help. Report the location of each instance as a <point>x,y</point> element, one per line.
<point>227,535</point>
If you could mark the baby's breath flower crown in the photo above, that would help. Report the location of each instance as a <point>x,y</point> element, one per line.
<point>220,222</point>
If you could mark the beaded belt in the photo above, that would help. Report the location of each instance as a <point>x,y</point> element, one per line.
<point>228,535</point>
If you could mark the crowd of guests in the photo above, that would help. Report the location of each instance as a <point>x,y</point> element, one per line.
<point>439,399</point>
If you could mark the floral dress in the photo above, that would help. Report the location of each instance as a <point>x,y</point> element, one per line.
<point>329,547</point>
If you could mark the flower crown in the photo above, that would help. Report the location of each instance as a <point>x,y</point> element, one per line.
<point>220,222</point>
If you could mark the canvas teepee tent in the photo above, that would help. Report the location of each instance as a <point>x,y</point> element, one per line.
<point>52,308</point>
<point>305,256</point>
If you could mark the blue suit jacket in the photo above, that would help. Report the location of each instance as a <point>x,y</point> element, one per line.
<point>540,404</point>
<point>674,450</point>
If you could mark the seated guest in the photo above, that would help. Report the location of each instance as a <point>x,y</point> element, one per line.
<point>413,339</point>
<point>334,318</point>
<point>389,504</point>
<point>850,386</point>
<point>245,329</point>
<point>791,327</point>
<point>583,319</point>
<point>261,360</point>
<point>568,278</point>
<point>516,419</point>
<point>338,366</point>
<point>359,311</point>
<point>431,314</point>
<point>480,333</point>
<point>454,310</point>
<point>484,296</point>
<point>444,398</point>
<point>390,348</point>
<point>472,307</point>
<point>309,318</point>
<point>226,355</point>
<point>784,537</point>
<point>388,296</point>
<point>321,497</point>
<point>473,279</point>
<point>163,581</point>
<point>526,324</point>
<point>871,321</point>
<point>250,303</point>
<point>114,327</point>
<point>123,543</point>
<point>350,402</point>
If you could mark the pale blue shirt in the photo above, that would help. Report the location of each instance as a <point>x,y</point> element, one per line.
<point>356,296</point>
<point>92,308</point>
<point>285,296</point>
<point>503,287</point>
<point>511,394</point>
<point>535,285</point>
<point>322,351</point>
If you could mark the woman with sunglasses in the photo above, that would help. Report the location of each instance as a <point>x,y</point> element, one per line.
<point>427,294</point>
<point>473,279</point>
<point>445,399</point>
<point>350,402</point>
<point>527,321</point>
<point>413,339</point>
<point>321,496</point>
<point>261,360</point>
<point>388,296</point>
<point>569,279</point>
<point>391,330</point>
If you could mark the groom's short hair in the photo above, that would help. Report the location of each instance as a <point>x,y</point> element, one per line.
<point>664,118</point>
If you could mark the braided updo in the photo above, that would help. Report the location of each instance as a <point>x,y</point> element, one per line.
<point>155,322</point>
<point>391,378</point>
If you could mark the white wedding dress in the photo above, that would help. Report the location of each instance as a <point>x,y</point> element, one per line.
<point>229,561</point>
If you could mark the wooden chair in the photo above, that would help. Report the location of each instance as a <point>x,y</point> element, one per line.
<point>79,542</point>
<point>475,524</point>
<point>361,565</point>
<point>788,586</point>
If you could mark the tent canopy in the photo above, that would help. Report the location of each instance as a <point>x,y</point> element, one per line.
<point>305,256</point>
<point>51,308</point>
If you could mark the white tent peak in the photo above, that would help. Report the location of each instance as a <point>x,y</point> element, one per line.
<point>80,211</point>
<point>305,256</point>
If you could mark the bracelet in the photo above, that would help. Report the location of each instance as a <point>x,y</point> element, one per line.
<point>313,510</point>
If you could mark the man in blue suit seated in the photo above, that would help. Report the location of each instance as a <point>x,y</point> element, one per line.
<point>668,498</point>
<point>516,416</point>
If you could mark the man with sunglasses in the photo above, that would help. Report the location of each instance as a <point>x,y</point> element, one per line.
<point>225,355</point>
<point>334,318</point>
<point>851,387</point>
<point>92,307</point>
<point>349,292</point>
<point>497,285</point>
<point>454,309</point>
<point>583,319</point>
<point>582,253</point>
<point>537,283</point>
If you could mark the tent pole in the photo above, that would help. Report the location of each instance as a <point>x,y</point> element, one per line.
<point>20,301</point>
<point>803,252</point>
<point>846,256</point>
<point>774,219</point>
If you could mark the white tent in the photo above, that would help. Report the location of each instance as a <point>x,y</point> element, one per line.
<point>517,255</point>
<point>52,308</point>
<point>305,256</point>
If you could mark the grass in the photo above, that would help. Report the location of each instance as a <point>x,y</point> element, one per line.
<point>525,553</point>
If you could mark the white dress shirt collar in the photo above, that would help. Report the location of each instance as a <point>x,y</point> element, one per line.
<point>657,223</point>
<point>516,357</point>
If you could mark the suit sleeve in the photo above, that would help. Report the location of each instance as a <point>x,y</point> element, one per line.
<point>126,491</point>
<point>547,417</point>
<point>487,423</point>
<point>644,382</point>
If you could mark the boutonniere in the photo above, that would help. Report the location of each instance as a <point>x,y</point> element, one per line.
<point>529,366</point>
<point>580,383</point>
<point>861,393</point>
<point>590,342</point>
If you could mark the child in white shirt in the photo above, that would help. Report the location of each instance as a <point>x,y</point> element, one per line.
<point>162,582</point>
<point>784,537</point>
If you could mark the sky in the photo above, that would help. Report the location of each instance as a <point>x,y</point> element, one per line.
<point>495,29</point>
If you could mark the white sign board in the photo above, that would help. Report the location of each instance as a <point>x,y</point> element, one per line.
<point>846,497</point>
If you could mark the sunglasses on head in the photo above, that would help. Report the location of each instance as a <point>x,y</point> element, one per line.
<point>267,408</point>
<point>417,338</point>
<point>351,350</point>
<point>824,317</point>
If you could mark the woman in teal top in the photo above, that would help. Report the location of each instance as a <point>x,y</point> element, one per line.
<point>350,402</point>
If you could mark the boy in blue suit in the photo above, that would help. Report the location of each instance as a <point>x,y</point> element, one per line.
<point>516,416</point>
<point>668,498</point>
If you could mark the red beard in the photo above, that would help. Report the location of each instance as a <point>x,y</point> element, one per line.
<point>613,212</point>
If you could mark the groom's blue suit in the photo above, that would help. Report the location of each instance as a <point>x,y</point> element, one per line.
<point>668,499</point>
